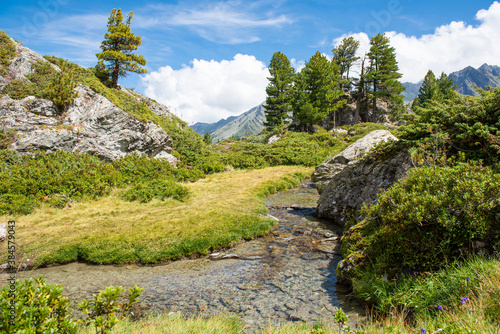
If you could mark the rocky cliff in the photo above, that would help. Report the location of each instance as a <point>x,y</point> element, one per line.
<point>89,124</point>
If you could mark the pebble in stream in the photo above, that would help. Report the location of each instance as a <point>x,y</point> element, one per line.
<point>288,275</point>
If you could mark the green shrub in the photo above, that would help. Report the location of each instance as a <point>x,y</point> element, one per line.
<point>7,52</point>
<point>463,124</point>
<point>104,312</point>
<point>7,137</point>
<point>160,189</point>
<point>39,308</point>
<point>29,180</point>
<point>429,219</point>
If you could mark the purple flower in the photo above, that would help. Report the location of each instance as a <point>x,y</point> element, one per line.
<point>459,266</point>
<point>422,330</point>
<point>440,307</point>
<point>468,279</point>
<point>465,299</point>
<point>470,311</point>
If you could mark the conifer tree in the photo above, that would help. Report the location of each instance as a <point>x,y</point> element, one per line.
<point>317,91</point>
<point>434,89</point>
<point>383,73</point>
<point>118,46</point>
<point>279,91</point>
<point>345,56</point>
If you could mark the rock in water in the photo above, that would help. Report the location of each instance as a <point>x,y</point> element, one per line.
<point>327,170</point>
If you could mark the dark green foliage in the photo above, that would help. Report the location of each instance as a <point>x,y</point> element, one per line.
<point>279,91</point>
<point>317,91</point>
<point>29,181</point>
<point>7,52</point>
<point>466,125</point>
<point>39,308</point>
<point>207,138</point>
<point>46,83</point>
<point>345,57</point>
<point>434,89</point>
<point>383,73</point>
<point>160,189</point>
<point>117,49</point>
<point>293,149</point>
<point>104,311</point>
<point>429,219</point>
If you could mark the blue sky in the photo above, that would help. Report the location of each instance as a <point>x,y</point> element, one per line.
<point>207,59</point>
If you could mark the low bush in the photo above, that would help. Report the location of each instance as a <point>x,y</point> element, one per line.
<point>160,189</point>
<point>431,218</point>
<point>7,52</point>
<point>39,308</point>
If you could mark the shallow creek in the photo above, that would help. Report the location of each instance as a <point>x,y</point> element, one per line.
<point>288,275</point>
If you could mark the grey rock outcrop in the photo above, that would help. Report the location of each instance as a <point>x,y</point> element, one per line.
<point>91,124</point>
<point>22,64</point>
<point>327,170</point>
<point>360,183</point>
<point>3,231</point>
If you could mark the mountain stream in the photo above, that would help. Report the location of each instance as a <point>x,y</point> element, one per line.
<point>288,275</point>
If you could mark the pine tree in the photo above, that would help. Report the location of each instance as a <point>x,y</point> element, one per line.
<point>427,90</point>
<point>345,56</point>
<point>383,74</point>
<point>118,46</point>
<point>317,91</point>
<point>279,91</point>
<point>433,89</point>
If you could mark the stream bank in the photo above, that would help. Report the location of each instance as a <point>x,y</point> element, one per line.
<point>288,275</point>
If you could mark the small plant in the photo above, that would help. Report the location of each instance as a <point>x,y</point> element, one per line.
<point>39,308</point>
<point>104,312</point>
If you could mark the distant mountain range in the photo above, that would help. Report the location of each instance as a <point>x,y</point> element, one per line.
<point>466,79</point>
<point>250,122</point>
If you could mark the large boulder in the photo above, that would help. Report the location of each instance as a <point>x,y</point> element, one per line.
<point>360,183</point>
<point>91,124</point>
<point>327,170</point>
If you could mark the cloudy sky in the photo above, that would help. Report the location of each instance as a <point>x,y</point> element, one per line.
<point>208,60</point>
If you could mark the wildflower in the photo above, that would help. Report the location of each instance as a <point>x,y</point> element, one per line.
<point>470,311</point>
<point>459,266</point>
<point>440,307</point>
<point>422,330</point>
<point>468,279</point>
<point>465,299</point>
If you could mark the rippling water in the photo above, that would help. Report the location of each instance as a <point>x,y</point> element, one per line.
<point>288,275</point>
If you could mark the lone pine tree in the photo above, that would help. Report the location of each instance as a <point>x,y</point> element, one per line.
<point>117,49</point>
<point>279,91</point>
<point>383,73</point>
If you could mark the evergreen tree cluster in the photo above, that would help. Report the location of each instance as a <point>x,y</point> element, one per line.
<point>323,87</point>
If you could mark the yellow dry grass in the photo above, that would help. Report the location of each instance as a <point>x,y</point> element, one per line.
<point>110,230</point>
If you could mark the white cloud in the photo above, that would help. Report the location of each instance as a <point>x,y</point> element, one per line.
<point>450,48</point>
<point>226,22</point>
<point>207,91</point>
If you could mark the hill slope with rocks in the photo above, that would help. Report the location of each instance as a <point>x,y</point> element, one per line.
<point>90,123</point>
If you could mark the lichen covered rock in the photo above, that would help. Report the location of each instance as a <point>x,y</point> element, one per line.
<point>327,170</point>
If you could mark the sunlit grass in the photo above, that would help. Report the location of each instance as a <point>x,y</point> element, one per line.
<point>222,209</point>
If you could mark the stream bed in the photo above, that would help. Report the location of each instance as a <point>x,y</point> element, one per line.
<point>288,275</point>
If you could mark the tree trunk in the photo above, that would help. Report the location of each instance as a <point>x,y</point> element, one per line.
<point>116,72</point>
